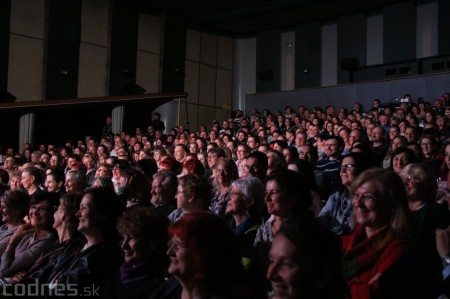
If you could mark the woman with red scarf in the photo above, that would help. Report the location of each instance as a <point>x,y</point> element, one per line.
<point>378,240</point>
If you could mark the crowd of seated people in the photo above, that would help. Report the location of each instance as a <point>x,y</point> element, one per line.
<point>305,203</point>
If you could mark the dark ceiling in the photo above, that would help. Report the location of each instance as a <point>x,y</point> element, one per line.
<point>246,17</point>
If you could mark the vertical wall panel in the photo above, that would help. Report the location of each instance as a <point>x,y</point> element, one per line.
<point>148,56</point>
<point>208,49</point>
<point>94,49</point>
<point>26,69</point>
<point>224,86</point>
<point>193,45</point>
<point>207,85</point>
<point>95,22</point>
<point>288,60</point>
<point>5,20</point>
<point>174,54</point>
<point>191,82</point>
<point>244,66</point>
<point>147,71</point>
<point>92,72</point>
<point>149,33</point>
<point>329,55</point>
<point>26,49</point>
<point>308,50</point>
<point>63,49</point>
<point>123,51</point>
<point>399,32</point>
<point>268,64</point>
<point>352,35</point>
<point>443,27</point>
<point>28,18</point>
<point>427,30</point>
<point>225,52</point>
<point>374,39</point>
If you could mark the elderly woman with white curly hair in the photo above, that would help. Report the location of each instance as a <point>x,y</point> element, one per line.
<point>245,199</point>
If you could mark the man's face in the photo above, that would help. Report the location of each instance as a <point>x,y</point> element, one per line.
<point>377,134</point>
<point>254,168</point>
<point>332,148</point>
<point>410,135</point>
<point>251,143</point>
<point>179,153</point>
<point>354,136</point>
<point>159,193</point>
<point>300,139</point>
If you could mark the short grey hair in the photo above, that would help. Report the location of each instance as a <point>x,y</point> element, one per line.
<point>252,188</point>
<point>79,176</point>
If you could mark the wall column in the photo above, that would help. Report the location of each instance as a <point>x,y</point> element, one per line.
<point>117,119</point>
<point>26,130</point>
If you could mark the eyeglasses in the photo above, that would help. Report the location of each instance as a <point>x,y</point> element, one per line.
<point>222,171</point>
<point>270,193</point>
<point>42,208</point>
<point>404,160</point>
<point>366,198</point>
<point>409,179</point>
<point>175,245</point>
<point>241,151</point>
<point>347,167</point>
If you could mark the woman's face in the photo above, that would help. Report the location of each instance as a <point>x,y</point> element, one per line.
<point>271,159</point>
<point>16,183</point>
<point>287,155</point>
<point>201,158</point>
<point>88,215</point>
<point>241,153</point>
<point>117,172</point>
<point>27,180</point>
<point>135,249</point>
<point>277,202</point>
<point>367,207</point>
<point>39,214</point>
<point>212,160</point>
<point>179,258</point>
<point>54,161</point>
<point>348,171</point>
<point>447,155</point>
<point>157,156</point>
<point>284,271</point>
<point>51,184</point>
<point>396,143</point>
<point>412,184</point>
<point>236,203</point>
<point>8,215</point>
<point>399,162</point>
<point>223,175</point>
<point>71,183</point>
<point>59,216</point>
<point>330,127</point>
<point>182,198</point>
<point>427,146</point>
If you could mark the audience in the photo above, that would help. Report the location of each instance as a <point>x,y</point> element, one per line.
<point>186,176</point>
